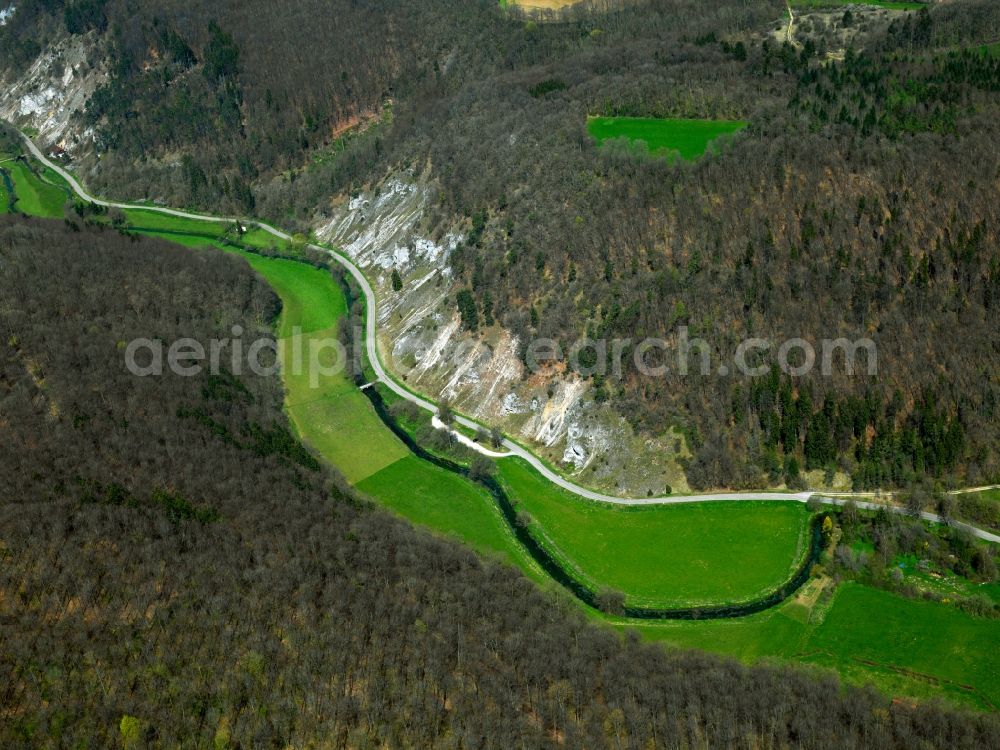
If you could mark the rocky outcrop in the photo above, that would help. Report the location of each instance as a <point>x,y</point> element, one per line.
<point>422,341</point>
<point>54,89</point>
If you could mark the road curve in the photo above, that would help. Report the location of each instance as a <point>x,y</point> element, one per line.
<point>512,448</point>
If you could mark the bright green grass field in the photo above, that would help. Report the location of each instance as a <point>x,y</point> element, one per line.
<point>925,637</point>
<point>35,197</point>
<point>904,647</point>
<point>436,498</point>
<point>186,240</point>
<point>677,555</point>
<point>4,198</point>
<point>887,4</point>
<point>689,138</point>
<point>347,432</point>
<point>311,299</point>
<point>137,217</point>
<point>259,238</point>
<point>327,410</point>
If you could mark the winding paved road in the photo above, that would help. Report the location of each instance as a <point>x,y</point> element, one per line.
<point>512,448</point>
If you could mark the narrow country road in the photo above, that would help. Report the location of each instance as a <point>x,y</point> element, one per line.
<point>512,448</point>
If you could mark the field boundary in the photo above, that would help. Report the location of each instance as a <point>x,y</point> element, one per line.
<point>551,565</point>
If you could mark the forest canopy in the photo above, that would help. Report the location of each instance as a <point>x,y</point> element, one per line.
<point>172,585</point>
<point>860,201</point>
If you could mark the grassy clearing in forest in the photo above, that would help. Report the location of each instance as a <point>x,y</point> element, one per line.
<point>345,430</point>
<point>311,299</point>
<point>664,136</point>
<point>328,412</point>
<point>665,556</point>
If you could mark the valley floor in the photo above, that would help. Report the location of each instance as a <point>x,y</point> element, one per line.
<point>690,554</point>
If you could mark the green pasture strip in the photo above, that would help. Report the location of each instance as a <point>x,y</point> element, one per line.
<point>187,240</point>
<point>34,196</point>
<point>328,411</point>
<point>903,647</point>
<point>152,220</point>
<point>689,138</point>
<point>665,555</point>
<point>262,239</point>
<point>868,625</point>
<point>5,194</point>
<point>445,502</point>
<point>346,431</point>
<point>311,299</point>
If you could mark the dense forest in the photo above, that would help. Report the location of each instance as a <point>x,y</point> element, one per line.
<point>860,202</point>
<point>177,574</point>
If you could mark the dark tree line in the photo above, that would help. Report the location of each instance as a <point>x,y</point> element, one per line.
<point>167,585</point>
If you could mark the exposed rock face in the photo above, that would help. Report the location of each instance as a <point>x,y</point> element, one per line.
<point>54,89</point>
<point>421,337</point>
<point>422,340</point>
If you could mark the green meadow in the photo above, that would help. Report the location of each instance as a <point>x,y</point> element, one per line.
<point>4,197</point>
<point>343,428</point>
<point>327,410</point>
<point>688,138</point>
<point>904,647</point>
<point>443,501</point>
<point>665,556</point>
<point>337,420</point>
<point>35,197</point>
<point>144,219</point>
<point>311,299</point>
